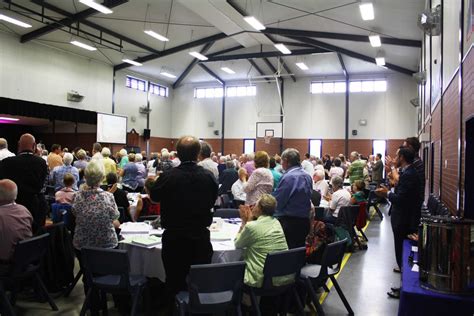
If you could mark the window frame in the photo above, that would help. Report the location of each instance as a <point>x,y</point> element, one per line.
<point>129,80</point>
<point>248,139</point>
<point>320,146</point>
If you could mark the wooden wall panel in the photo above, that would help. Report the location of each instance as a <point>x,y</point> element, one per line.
<point>436,140</point>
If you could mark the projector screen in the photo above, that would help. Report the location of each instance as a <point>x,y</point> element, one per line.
<point>111,129</point>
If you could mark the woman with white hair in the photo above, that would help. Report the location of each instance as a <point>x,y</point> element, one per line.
<point>109,164</point>
<point>142,174</point>
<point>81,162</point>
<point>164,163</point>
<point>123,158</point>
<point>129,175</point>
<point>57,175</point>
<point>338,199</point>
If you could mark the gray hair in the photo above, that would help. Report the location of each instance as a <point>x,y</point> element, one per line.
<point>3,143</point>
<point>337,182</point>
<point>105,152</point>
<point>138,157</point>
<point>355,154</point>
<point>123,152</point>
<point>94,173</point>
<point>229,164</point>
<point>319,173</point>
<point>165,154</point>
<point>292,156</point>
<point>251,156</point>
<point>67,159</point>
<point>8,190</point>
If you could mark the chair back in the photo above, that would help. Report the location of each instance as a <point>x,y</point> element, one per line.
<point>319,213</point>
<point>282,263</point>
<point>61,213</point>
<point>28,254</point>
<point>215,279</point>
<point>147,218</point>
<point>332,257</point>
<point>350,213</point>
<point>101,262</point>
<point>227,213</point>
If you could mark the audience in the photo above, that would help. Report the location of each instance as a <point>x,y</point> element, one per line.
<point>81,162</point>
<point>293,196</point>
<point>96,152</point>
<point>320,184</point>
<point>307,165</point>
<point>260,181</point>
<point>66,194</point>
<point>122,155</point>
<point>228,177</point>
<point>54,157</point>
<point>4,152</point>
<point>249,163</point>
<point>142,174</point>
<point>221,166</point>
<point>358,195</point>
<point>238,187</point>
<point>57,175</point>
<point>15,222</point>
<point>109,165</point>
<point>260,234</point>
<point>276,175</point>
<point>336,170</point>
<point>338,199</point>
<point>356,169</point>
<point>206,161</point>
<point>145,206</point>
<point>377,170</point>
<point>129,175</point>
<point>120,196</point>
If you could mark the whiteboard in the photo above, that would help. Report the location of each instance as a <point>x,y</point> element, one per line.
<point>274,129</point>
<point>111,129</point>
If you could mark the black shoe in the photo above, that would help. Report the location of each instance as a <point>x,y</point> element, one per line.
<point>395,289</point>
<point>396,270</point>
<point>394,294</point>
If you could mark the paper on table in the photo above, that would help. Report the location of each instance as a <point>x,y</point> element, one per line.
<point>415,268</point>
<point>222,235</point>
<point>134,228</point>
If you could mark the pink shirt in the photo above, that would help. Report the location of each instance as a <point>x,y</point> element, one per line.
<point>15,225</point>
<point>259,183</point>
<point>65,196</point>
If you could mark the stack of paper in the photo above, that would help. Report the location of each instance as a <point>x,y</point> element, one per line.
<point>134,228</point>
<point>146,241</point>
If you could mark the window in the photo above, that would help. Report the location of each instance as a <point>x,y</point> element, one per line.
<point>354,86</point>
<point>135,83</point>
<point>315,147</point>
<point>160,90</point>
<point>237,91</point>
<point>249,146</point>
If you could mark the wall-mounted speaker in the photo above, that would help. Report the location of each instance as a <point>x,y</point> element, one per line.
<point>216,132</point>
<point>354,132</point>
<point>146,133</point>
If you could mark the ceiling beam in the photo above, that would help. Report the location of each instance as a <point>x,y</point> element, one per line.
<point>352,54</point>
<point>69,20</point>
<point>227,50</point>
<point>297,52</point>
<point>212,74</point>
<point>341,36</point>
<point>288,70</point>
<point>343,66</point>
<point>191,65</point>
<point>174,50</point>
<point>260,71</point>
<point>97,27</point>
<point>270,65</point>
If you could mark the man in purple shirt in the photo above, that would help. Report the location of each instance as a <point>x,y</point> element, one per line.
<point>293,196</point>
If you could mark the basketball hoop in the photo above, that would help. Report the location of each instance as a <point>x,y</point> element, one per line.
<point>267,139</point>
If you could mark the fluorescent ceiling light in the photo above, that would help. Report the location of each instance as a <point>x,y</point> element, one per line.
<point>167,74</point>
<point>156,35</point>
<point>254,23</point>
<point>82,45</point>
<point>2,118</point>
<point>380,61</point>
<point>367,11</point>
<point>14,21</point>
<point>228,70</point>
<point>198,56</point>
<point>132,62</point>
<point>282,48</point>
<point>302,66</point>
<point>97,6</point>
<point>375,41</point>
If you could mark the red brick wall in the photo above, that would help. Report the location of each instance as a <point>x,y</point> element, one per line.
<point>333,147</point>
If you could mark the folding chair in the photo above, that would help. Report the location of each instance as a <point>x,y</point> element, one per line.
<point>373,200</point>
<point>281,263</point>
<point>107,271</point>
<point>61,213</point>
<point>26,263</point>
<point>212,288</point>
<point>350,213</point>
<point>227,213</point>
<point>314,275</point>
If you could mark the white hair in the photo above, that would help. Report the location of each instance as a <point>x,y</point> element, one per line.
<point>68,158</point>
<point>123,152</point>
<point>251,156</point>
<point>3,143</point>
<point>105,152</point>
<point>165,154</point>
<point>355,154</point>
<point>337,182</point>
<point>6,192</point>
<point>94,173</point>
<point>138,157</point>
<point>319,173</point>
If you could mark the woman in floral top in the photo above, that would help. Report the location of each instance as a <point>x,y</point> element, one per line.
<point>260,181</point>
<point>95,211</point>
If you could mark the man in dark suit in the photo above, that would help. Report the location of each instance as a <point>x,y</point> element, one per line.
<point>405,201</point>
<point>187,194</point>
<point>29,172</point>
<point>228,177</point>
<point>377,169</point>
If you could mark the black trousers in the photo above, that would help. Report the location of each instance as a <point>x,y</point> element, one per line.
<point>399,235</point>
<point>296,229</point>
<point>180,250</point>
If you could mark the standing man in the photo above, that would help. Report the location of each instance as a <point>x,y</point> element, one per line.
<point>4,152</point>
<point>293,197</point>
<point>356,169</point>
<point>414,144</point>
<point>29,172</point>
<point>187,194</point>
<point>206,161</point>
<point>307,165</point>
<point>377,169</point>
<point>405,201</point>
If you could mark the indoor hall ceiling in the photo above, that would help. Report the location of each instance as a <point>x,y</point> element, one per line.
<point>188,22</point>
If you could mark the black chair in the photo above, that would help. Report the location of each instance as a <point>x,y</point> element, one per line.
<point>147,218</point>
<point>107,271</point>
<point>61,213</point>
<point>374,200</point>
<point>26,263</point>
<point>227,213</point>
<point>277,264</point>
<point>226,201</point>
<point>212,288</point>
<point>319,213</point>
<point>350,213</point>
<point>314,275</point>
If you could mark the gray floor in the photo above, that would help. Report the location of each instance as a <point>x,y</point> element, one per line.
<point>365,279</point>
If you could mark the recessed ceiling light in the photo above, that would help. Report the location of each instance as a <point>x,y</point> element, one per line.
<point>156,35</point>
<point>167,74</point>
<point>198,55</point>
<point>367,11</point>
<point>14,21</point>
<point>82,45</point>
<point>302,66</point>
<point>94,5</point>
<point>256,24</point>
<point>132,62</point>
<point>228,70</point>
<point>375,41</point>
<point>380,60</point>
<point>12,119</point>
<point>282,48</point>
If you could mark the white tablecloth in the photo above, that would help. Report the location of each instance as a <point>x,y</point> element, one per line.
<point>148,262</point>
